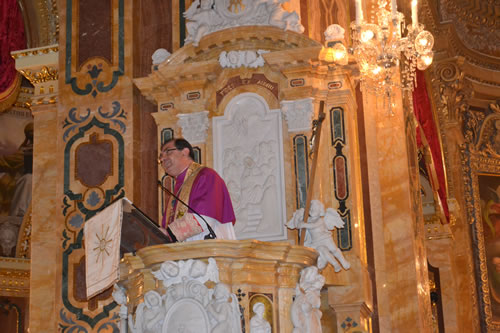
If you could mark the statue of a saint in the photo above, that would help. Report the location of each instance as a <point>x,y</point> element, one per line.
<point>258,324</point>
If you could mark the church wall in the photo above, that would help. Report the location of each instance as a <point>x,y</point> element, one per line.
<point>91,153</point>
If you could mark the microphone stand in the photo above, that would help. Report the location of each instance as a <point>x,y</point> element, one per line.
<point>211,233</point>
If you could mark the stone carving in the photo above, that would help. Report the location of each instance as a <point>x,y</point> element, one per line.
<point>334,32</point>
<point>188,305</point>
<point>149,314</point>
<point>454,91</point>
<point>224,310</point>
<point>235,59</point>
<point>120,298</point>
<point>9,229</point>
<point>207,16</point>
<point>194,126</point>
<point>172,272</point>
<point>305,313</point>
<point>160,56</point>
<point>298,114</point>
<point>248,155</point>
<point>258,324</point>
<point>319,235</point>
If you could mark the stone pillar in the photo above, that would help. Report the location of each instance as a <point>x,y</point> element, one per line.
<point>40,67</point>
<point>398,236</point>
<point>350,297</point>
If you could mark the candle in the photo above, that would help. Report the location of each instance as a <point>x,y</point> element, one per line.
<point>394,7</point>
<point>414,13</point>
<point>359,12</point>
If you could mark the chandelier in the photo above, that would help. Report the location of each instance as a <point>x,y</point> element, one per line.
<point>381,50</point>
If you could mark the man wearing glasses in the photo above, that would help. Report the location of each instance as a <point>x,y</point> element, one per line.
<point>202,189</point>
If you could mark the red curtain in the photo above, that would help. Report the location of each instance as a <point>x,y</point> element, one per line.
<point>428,138</point>
<point>12,38</point>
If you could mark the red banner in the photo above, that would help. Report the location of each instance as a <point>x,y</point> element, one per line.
<point>11,39</point>
<point>428,138</point>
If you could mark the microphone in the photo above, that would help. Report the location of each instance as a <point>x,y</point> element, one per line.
<point>211,233</point>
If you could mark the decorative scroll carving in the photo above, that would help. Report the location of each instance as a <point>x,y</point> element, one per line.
<point>482,130</point>
<point>188,305</point>
<point>454,91</point>
<point>298,114</point>
<point>194,126</point>
<point>236,59</point>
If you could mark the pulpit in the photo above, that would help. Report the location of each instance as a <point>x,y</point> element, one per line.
<point>164,279</point>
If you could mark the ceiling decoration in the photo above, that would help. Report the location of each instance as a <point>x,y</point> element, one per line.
<point>476,23</point>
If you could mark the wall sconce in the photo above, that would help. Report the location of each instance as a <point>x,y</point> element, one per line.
<point>335,50</point>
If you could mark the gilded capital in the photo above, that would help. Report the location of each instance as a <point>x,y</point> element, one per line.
<point>41,67</point>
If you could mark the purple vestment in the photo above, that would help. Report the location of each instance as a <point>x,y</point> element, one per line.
<point>209,196</point>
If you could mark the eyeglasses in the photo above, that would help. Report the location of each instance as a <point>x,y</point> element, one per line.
<point>167,152</point>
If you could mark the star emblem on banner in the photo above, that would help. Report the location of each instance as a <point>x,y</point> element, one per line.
<point>103,244</point>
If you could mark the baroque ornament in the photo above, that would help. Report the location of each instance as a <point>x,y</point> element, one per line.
<point>298,114</point>
<point>188,305</point>
<point>236,59</point>
<point>194,126</point>
<point>207,16</point>
<point>318,234</point>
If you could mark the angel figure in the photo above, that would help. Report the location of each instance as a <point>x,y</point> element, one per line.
<point>305,312</point>
<point>319,235</point>
<point>202,17</point>
<point>149,314</point>
<point>224,310</point>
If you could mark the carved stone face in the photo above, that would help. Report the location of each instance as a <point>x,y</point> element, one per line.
<point>170,268</point>
<point>152,299</point>
<point>199,268</point>
<point>316,209</point>
<point>259,309</point>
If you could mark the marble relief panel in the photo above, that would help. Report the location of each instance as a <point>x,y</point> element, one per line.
<point>248,154</point>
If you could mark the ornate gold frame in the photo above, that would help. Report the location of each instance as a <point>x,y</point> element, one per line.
<point>476,163</point>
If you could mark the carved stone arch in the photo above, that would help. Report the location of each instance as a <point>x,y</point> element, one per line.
<point>239,38</point>
<point>271,99</point>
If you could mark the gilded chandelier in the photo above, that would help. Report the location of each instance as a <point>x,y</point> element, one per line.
<point>381,50</point>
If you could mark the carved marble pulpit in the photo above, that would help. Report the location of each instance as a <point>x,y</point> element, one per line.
<point>173,279</point>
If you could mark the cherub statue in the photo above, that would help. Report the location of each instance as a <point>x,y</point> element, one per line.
<point>258,324</point>
<point>319,235</point>
<point>305,313</point>
<point>149,315</point>
<point>202,17</point>
<point>224,311</point>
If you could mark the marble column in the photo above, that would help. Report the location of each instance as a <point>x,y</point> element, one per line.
<point>40,67</point>
<point>398,239</point>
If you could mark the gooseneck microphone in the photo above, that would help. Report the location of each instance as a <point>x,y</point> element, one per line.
<point>211,233</point>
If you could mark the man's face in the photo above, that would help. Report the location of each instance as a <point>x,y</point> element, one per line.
<point>172,160</point>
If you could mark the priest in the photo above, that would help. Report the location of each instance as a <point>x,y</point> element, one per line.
<point>198,187</point>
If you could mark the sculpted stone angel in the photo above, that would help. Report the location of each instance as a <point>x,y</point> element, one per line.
<point>319,235</point>
<point>149,315</point>
<point>202,20</point>
<point>305,312</point>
